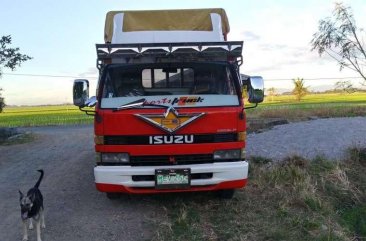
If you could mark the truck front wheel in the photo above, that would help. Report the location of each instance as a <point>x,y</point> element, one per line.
<point>226,194</point>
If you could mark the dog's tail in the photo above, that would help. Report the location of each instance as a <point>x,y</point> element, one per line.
<point>40,178</point>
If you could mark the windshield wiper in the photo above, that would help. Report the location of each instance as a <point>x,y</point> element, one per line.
<point>137,103</point>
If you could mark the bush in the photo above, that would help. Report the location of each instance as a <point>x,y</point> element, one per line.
<point>2,103</point>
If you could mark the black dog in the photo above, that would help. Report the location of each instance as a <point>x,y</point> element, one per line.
<point>32,208</point>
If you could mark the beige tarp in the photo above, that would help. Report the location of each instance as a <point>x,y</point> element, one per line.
<point>164,20</point>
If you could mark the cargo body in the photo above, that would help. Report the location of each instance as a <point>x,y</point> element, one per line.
<point>169,112</point>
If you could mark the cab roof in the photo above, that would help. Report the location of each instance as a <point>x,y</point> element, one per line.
<point>166,20</point>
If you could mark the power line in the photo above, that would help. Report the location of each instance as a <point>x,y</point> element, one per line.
<point>50,76</point>
<point>94,77</point>
<point>320,78</point>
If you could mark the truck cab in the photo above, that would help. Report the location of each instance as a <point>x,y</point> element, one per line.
<point>169,116</point>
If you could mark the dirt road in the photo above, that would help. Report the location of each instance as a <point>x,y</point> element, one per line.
<point>74,210</point>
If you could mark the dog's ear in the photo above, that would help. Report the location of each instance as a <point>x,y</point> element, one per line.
<point>20,195</point>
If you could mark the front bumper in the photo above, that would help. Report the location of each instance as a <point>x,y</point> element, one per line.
<point>225,175</point>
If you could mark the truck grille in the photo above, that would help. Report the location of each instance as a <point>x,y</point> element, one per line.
<point>170,160</point>
<point>144,140</point>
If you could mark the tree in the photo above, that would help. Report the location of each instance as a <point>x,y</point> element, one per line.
<point>9,58</point>
<point>271,92</point>
<point>2,102</point>
<point>344,86</point>
<point>299,90</point>
<point>339,37</point>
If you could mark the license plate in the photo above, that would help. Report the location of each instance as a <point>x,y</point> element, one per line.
<point>172,178</point>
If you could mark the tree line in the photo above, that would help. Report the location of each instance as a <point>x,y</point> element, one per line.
<point>300,90</point>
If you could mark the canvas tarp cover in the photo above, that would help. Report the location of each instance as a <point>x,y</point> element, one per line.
<point>165,20</point>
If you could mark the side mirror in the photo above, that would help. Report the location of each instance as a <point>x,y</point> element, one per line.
<point>255,89</point>
<point>80,92</point>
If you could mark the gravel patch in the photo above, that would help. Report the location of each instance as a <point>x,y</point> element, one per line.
<point>329,138</point>
<point>6,133</point>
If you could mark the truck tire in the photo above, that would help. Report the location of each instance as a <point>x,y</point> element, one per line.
<point>113,195</point>
<point>226,194</point>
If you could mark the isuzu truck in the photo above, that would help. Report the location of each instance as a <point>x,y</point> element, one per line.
<point>169,113</point>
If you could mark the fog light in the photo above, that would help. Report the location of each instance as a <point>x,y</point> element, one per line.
<point>242,153</point>
<point>227,154</point>
<point>98,157</point>
<point>115,158</point>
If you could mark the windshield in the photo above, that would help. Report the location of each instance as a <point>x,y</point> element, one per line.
<point>169,84</point>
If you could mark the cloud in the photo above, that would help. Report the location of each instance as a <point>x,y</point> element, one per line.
<point>272,47</point>
<point>90,72</point>
<point>250,36</point>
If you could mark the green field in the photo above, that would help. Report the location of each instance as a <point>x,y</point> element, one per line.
<point>43,115</point>
<point>311,100</point>
<point>283,106</point>
<point>312,105</point>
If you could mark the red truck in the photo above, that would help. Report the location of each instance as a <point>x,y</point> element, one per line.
<point>169,111</point>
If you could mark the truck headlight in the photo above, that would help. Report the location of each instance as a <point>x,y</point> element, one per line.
<point>115,158</point>
<point>227,154</point>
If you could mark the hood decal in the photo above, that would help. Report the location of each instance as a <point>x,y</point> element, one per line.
<point>171,120</point>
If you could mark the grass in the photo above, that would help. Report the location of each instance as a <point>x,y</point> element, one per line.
<point>320,105</point>
<point>313,105</point>
<point>42,116</point>
<point>285,109</point>
<point>296,199</point>
<point>357,98</point>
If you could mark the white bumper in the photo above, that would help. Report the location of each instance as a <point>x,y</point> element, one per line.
<point>122,175</point>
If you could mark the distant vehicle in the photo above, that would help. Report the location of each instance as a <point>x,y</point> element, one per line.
<point>169,112</point>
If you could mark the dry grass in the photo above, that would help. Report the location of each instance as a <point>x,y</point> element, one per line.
<point>296,199</point>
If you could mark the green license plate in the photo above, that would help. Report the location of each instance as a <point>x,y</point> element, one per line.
<point>172,178</point>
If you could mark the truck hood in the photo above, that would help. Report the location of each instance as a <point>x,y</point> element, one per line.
<point>151,121</point>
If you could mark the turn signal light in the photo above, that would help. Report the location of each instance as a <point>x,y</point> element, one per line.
<point>99,140</point>
<point>242,135</point>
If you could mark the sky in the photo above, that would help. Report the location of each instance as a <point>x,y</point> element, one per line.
<point>61,38</point>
